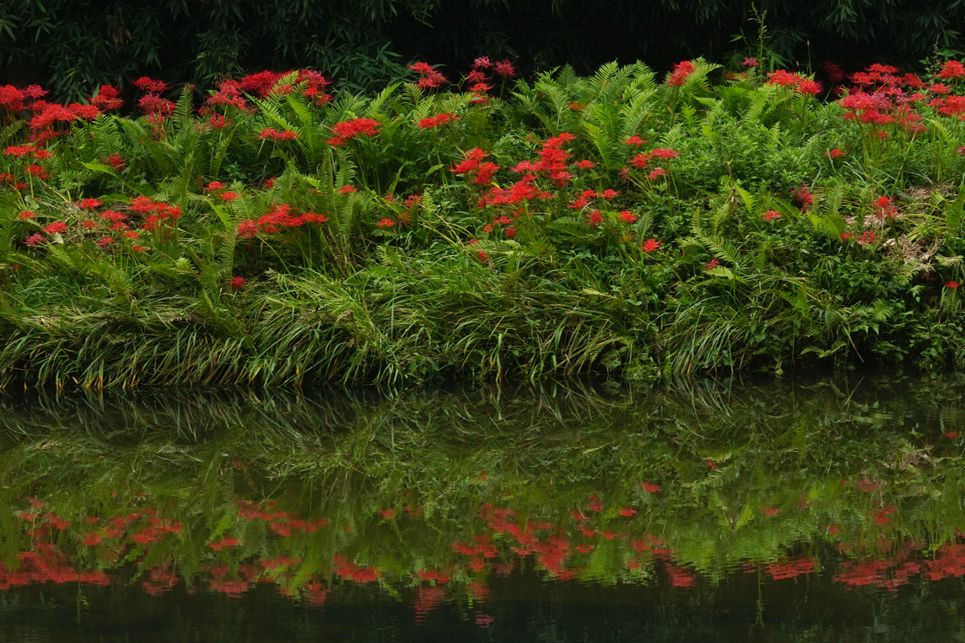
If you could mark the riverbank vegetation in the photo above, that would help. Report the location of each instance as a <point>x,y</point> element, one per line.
<point>275,231</point>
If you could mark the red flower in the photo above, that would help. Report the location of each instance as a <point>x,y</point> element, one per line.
<point>89,204</point>
<point>803,198</point>
<point>505,69</point>
<point>146,84</point>
<point>56,227</point>
<point>656,173</point>
<point>347,130</point>
<point>238,282</point>
<point>634,141</point>
<point>770,512</point>
<point>627,217</point>
<point>385,223</point>
<point>808,86</point>
<point>650,487</point>
<point>585,164</point>
<point>650,245</point>
<point>664,153</point>
<point>771,215</point>
<point>713,263</point>
<point>347,189</point>
<point>750,61</point>
<point>627,512</point>
<point>387,514</point>
<point>437,121</point>
<point>155,105</point>
<point>952,285</point>
<point>952,69</point>
<point>680,73</point>
<point>836,153</point>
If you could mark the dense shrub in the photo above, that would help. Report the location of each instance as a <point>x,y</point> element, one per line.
<point>617,222</point>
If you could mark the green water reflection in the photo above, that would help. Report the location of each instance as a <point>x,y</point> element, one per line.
<point>828,510</point>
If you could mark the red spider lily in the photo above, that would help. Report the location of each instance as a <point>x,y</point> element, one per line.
<point>153,104</point>
<point>867,237</point>
<point>108,97</point>
<point>836,153</point>
<point>430,78</point>
<point>385,223</point>
<point>750,61</point>
<point>146,84</point>
<point>952,285</point>
<point>585,164</point>
<point>25,215</point>
<point>803,198</point>
<point>650,487</point>
<point>347,130</point>
<point>438,120</point>
<point>238,282</point>
<point>713,263</point>
<point>89,204</point>
<point>680,73</point>
<point>884,209</point>
<point>952,69</point>
<point>627,217</point>
<point>594,218</point>
<point>664,153</point>
<point>634,141</point>
<point>651,245</point>
<point>57,227</point>
<point>627,512</point>
<point>656,173</point>
<point>771,215</point>
<point>270,133</point>
<point>348,189</point>
<point>505,69</point>
<point>116,161</point>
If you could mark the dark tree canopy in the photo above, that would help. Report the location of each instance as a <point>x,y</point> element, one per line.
<point>71,45</point>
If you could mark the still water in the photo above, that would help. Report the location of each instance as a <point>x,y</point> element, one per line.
<point>825,510</point>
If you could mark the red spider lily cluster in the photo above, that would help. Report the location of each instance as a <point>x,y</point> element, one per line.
<point>347,130</point>
<point>681,72</point>
<point>279,218</point>
<point>799,83</point>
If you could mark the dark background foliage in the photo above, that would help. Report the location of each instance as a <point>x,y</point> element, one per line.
<point>71,45</point>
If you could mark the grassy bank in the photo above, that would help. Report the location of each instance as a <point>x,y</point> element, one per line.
<point>274,231</point>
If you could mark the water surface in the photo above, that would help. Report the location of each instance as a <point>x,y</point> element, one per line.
<point>824,510</point>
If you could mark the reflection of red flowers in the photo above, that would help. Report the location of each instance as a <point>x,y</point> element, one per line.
<point>770,512</point>
<point>650,487</point>
<point>225,543</point>
<point>627,512</point>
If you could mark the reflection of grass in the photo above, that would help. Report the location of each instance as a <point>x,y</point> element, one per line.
<point>781,455</point>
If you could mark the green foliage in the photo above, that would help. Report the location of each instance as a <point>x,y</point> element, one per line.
<point>370,260</point>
